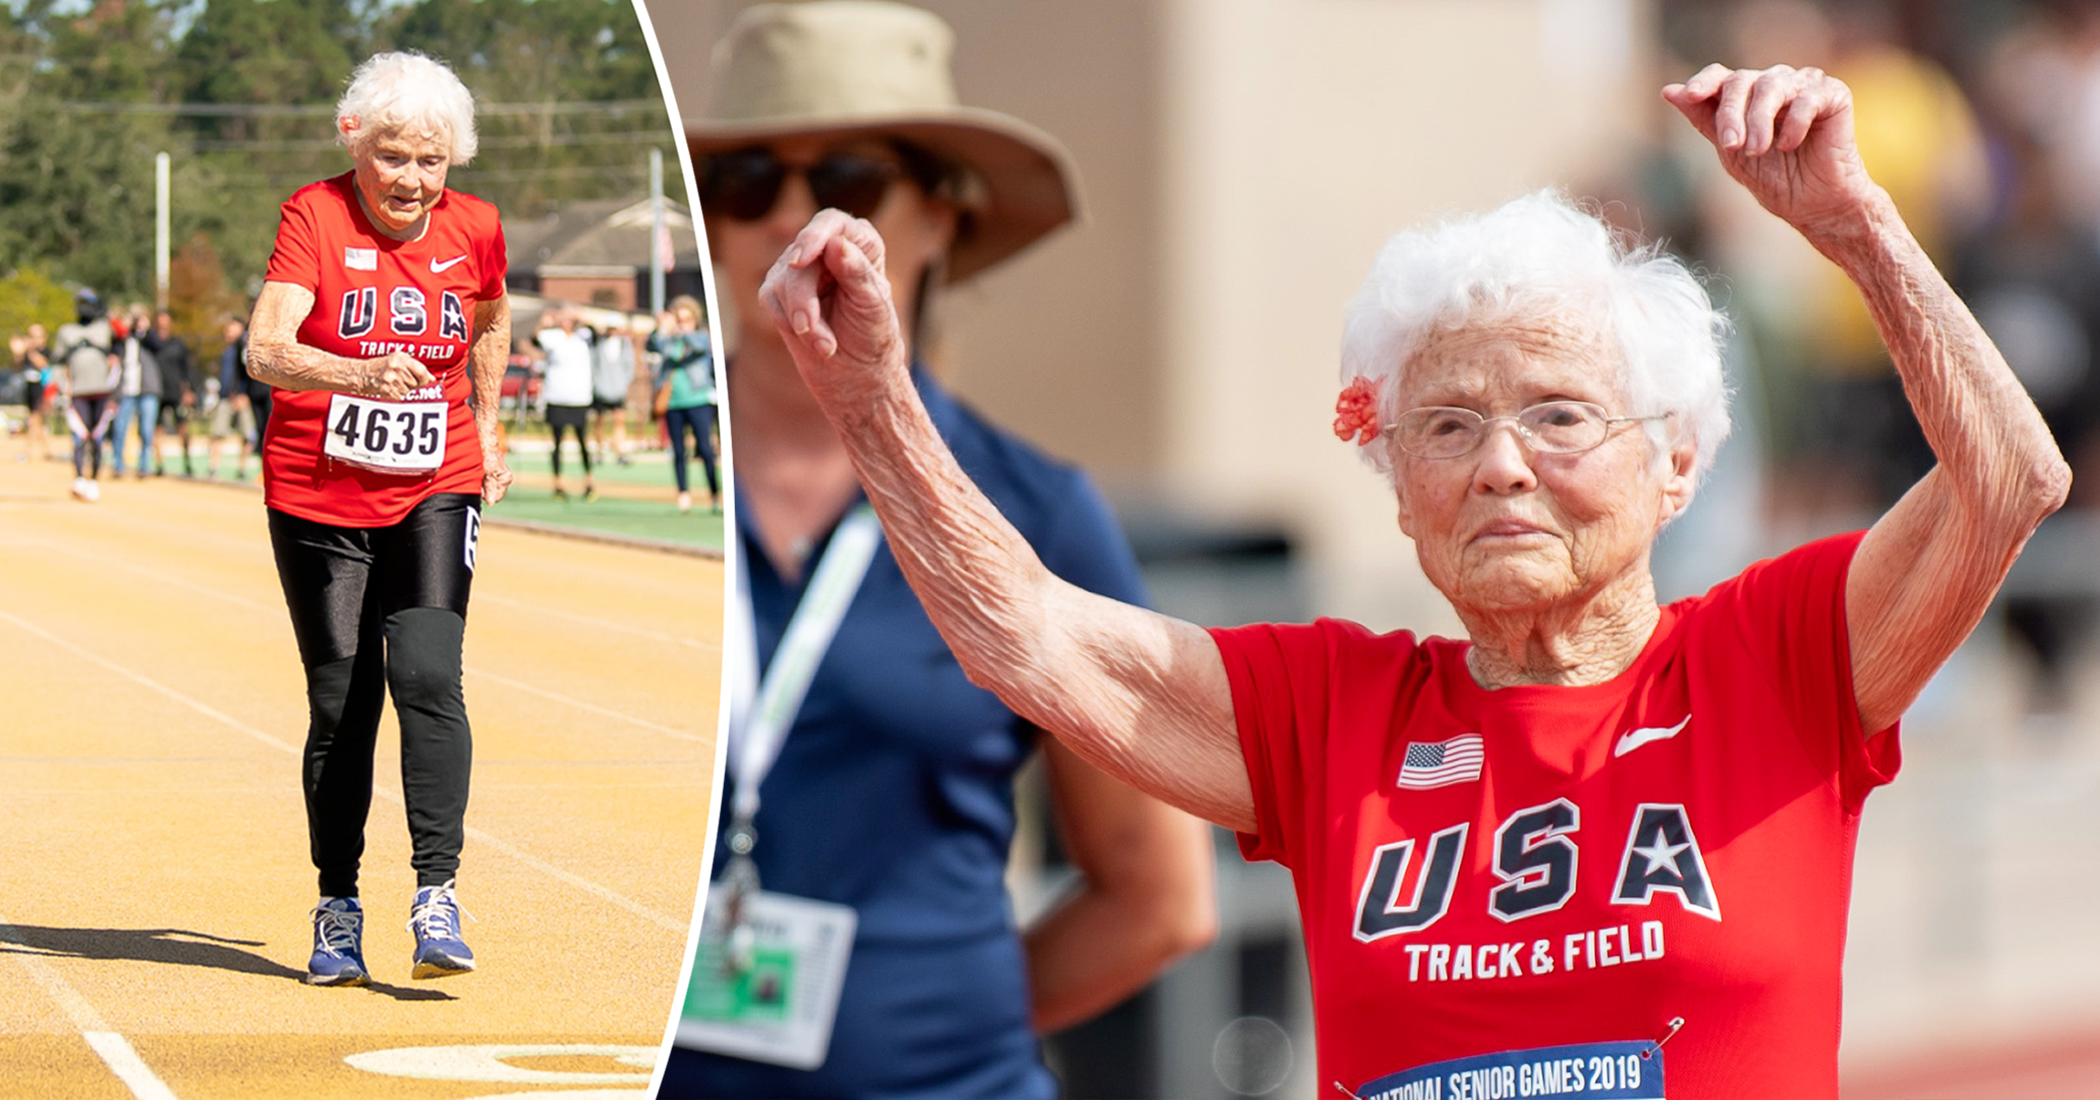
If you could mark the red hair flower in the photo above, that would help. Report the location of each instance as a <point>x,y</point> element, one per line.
<point>1356,412</point>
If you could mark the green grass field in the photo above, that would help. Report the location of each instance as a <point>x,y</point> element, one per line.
<point>637,500</point>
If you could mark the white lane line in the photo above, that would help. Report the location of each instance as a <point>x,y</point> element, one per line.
<point>480,598</point>
<point>239,601</point>
<point>152,684</point>
<point>602,624</point>
<point>663,920</point>
<point>517,685</point>
<point>128,1066</point>
<point>675,924</point>
<point>111,1047</point>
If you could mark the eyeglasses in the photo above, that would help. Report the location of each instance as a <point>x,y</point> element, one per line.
<point>743,185</point>
<point>1549,427</point>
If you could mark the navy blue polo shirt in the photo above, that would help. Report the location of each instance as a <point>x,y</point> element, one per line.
<point>893,794</point>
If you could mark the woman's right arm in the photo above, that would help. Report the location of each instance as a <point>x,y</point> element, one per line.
<point>1141,696</point>
<point>277,358</point>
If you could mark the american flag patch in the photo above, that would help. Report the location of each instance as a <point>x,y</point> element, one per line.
<point>1441,763</point>
<point>361,259</point>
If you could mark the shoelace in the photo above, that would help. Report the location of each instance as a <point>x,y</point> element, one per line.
<point>436,917</point>
<point>337,929</point>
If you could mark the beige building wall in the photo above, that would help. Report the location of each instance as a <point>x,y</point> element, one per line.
<point>1242,160</point>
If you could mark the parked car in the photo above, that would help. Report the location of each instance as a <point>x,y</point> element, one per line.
<point>521,388</point>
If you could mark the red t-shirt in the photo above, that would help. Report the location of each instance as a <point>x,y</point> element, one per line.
<point>374,295</point>
<point>1485,872</point>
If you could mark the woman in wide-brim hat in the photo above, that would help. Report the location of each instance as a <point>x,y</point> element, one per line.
<point>890,798</point>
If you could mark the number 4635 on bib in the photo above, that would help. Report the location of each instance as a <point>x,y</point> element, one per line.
<point>391,437</point>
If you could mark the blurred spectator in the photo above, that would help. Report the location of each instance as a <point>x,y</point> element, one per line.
<point>178,385</point>
<point>138,390</point>
<point>233,413</point>
<point>887,780</point>
<point>567,390</point>
<point>612,376</point>
<point>685,394</point>
<point>87,347</point>
<point>32,357</point>
<point>2033,281</point>
<point>1847,444</point>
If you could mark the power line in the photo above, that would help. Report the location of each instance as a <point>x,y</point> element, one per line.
<point>322,110</point>
<point>467,176</point>
<point>638,137</point>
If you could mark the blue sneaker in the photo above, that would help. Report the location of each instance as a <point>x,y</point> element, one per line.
<point>339,956</point>
<point>434,918</point>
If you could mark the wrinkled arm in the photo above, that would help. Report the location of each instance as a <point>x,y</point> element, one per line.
<point>1926,572</point>
<point>1139,695</point>
<point>277,358</point>
<point>1144,897</point>
<point>486,358</point>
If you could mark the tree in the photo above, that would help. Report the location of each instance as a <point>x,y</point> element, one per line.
<point>29,295</point>
<point>87,97</point>
<point>198,296</point>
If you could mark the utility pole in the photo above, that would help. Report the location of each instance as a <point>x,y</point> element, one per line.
<point>160,231</point>
<point>659,234</point>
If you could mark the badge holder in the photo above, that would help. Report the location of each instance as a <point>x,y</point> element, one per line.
<point>767,973</point>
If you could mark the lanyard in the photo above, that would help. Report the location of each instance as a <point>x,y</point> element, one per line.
<point>758,729</point>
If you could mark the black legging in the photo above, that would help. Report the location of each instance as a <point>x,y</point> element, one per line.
<point>573,417</point>
<point>700,420</point>
<point>94,413</point>
<point>380,611</point>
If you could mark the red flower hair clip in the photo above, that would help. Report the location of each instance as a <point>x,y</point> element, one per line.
<point>1356,412</point>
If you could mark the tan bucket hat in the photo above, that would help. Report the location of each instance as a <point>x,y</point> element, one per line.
<point>842,67</point>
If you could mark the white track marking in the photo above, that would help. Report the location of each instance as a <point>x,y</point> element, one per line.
<point>111,1047</point>
<point>602,624</point>
<point>487,1063</point>
<point>239,601</point>
<point>500,601</point>
<point>155,685</point>
<point>128,1066</point>
<point>665,920</point>
<point>517,685</point>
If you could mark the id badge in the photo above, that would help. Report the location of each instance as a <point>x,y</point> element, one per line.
<point>392,437</point>
<point>776,1000</point>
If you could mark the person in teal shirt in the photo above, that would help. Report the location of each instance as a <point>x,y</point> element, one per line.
<point>686,367</point>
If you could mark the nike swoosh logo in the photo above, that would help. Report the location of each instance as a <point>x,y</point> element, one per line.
<point>1633,739</point>
<point>437,268</point>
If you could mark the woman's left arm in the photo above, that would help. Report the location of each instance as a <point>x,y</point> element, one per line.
<point>486,358</point>
<point>1144,896</point>
<point>1928,569</point>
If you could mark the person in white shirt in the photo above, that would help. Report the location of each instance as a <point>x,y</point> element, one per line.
<point>567,386</point>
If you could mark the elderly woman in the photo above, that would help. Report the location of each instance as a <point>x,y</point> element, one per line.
<point>384,327</point>
<point>879,812</point>
<point>1527,860</point>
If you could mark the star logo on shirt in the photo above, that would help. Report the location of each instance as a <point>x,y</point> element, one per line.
<point>1661,853</point>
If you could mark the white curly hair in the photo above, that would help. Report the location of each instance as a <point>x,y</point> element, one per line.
<point>1541,255</point>
<point>403,91</point>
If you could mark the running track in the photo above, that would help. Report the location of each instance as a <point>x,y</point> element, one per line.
<point>154,883</point>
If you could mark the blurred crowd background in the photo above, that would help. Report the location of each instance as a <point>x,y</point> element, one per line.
<point>1242,161</point>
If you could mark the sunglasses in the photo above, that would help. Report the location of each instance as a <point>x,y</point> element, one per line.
<point>745,184</point>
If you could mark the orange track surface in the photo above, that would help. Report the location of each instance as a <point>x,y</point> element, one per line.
<point>154,881</point>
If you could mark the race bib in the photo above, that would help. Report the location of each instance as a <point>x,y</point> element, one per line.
<point>1628,1070</point>
<point>776,1003</point>
<point>392,437</point>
